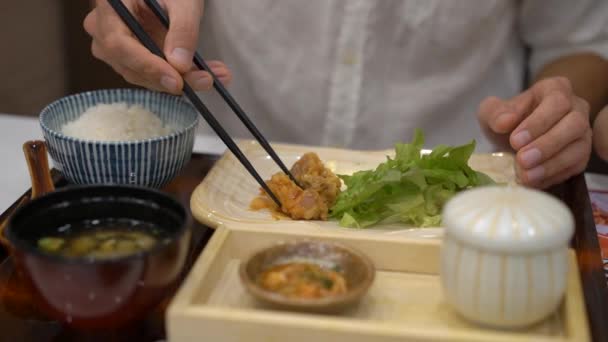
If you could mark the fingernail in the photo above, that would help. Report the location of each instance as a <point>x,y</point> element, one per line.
<point>521,139</point>
<point>203,83</point>
<point>530,157</point>
<point>536,174</point>
<point>169,83</point>
<point>182,56</point>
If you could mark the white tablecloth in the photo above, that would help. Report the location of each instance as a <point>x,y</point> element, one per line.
<point>14,176</point>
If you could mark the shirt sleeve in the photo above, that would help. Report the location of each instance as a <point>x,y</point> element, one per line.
<point>555,28</point>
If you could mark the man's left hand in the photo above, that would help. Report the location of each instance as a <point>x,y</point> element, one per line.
<point>548,127</point>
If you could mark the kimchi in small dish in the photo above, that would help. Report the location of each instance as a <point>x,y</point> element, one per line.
<point>311,276</point>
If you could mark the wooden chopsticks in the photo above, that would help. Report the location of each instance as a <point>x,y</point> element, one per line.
<point>126,16</point>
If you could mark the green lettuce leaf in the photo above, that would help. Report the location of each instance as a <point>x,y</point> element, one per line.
<point>411,188</point>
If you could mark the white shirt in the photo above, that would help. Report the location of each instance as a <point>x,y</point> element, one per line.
<point>364,74</point>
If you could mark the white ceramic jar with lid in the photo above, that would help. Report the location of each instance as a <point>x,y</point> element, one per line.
<point>505,254</point>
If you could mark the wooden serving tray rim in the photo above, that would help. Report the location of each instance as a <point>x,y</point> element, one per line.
<point>183,308</point>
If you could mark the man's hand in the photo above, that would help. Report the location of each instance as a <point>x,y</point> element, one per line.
<point>600,134</point>
<point>114,44</point>
<point>548,127</point>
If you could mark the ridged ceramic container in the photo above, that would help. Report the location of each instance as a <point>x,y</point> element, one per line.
<point>151,162</point>
<point>504,254</point>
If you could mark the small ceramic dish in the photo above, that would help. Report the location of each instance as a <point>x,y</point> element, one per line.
<point>152,162</point>
<point>356,268</point>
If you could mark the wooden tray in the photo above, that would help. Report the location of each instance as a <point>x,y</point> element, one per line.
<point>28,328</point>
<point>21,321</point>
<point>405,302</point>
<point>223,197</point>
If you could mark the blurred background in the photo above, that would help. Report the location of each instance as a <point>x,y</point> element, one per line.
<point>49,59</point>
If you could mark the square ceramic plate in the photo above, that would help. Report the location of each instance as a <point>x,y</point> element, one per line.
<point>224,195</point>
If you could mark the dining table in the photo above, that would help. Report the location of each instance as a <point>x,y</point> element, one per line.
<point>20,320</point>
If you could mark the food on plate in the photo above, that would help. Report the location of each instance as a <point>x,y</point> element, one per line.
<point>320,188</point>
<point>304,280</point>
<point>99,239</point>
<point>311,174</point>
<point>410,188</point>
<point>116,122</point>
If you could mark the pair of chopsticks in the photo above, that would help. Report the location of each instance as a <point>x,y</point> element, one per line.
<point>126,16</point>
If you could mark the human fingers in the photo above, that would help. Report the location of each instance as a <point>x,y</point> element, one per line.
<point>182,36</point>
<point>147,69</point>
<point>221,71</point>
<point>569,128</point>
<point>202,80</point>
<point>552,107</point>
<point>564,175</point>
<point>560,178</point>
<point>114,44</point>
<point>569,161</point>
<point>600,134</point>
<point>502,116</point>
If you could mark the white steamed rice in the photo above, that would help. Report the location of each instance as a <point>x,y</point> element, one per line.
<point>116,122</point>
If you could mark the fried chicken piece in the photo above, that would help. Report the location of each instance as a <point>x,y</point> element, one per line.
<point>311,174</point>
<point>320,188</point>
<point>297,203</point>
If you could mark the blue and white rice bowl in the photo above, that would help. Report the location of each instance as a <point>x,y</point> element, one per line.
<point>151,162</point>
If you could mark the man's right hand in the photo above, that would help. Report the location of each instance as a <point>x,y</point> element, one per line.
<point>114,44</point>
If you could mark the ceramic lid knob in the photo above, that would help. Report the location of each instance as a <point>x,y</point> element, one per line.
<point>508,218</point>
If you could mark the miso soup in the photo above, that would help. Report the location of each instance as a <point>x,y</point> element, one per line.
<point>104,238</point>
